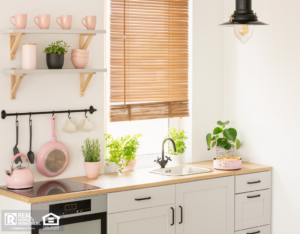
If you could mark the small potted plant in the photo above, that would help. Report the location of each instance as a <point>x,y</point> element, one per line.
<point>225,140</point>
<point>55,54</point>
<point>179,139</point>
<point>91,153</point>
<point>122,152</point>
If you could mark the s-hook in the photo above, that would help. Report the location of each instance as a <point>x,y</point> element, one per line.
<point>85,113</point>
<point>69,114</point>
<point>53,113</point>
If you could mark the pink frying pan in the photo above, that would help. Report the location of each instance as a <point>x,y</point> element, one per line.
<point>53,157</point>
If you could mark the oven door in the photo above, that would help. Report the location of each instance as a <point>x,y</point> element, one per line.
<point>89,224</point>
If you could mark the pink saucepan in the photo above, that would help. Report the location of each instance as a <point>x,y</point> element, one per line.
<point>53,157</point>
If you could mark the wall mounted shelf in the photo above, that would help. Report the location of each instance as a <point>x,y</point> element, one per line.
<point>17,75</point>
<point>15,36</point>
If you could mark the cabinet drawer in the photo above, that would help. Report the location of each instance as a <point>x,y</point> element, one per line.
<point>258,230</point>
<point>141,198</point>
<point>252,209</point>
<point>252,182</point>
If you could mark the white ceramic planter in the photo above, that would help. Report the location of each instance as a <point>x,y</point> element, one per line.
<point>176,160</point>
<point>221,152</point>
<point>112,167</point>
<point>92,169</point>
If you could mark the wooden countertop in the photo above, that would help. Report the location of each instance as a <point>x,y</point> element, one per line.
<point>137,179</point>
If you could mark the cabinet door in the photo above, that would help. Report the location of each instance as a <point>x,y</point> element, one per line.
<point>157,220</point>
<point>205,207</point>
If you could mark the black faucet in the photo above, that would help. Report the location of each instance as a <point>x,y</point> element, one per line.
<point>161,161</point>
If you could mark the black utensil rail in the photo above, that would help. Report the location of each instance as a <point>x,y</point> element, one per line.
<point>91,110</point>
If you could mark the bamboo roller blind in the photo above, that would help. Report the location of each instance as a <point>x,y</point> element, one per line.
<point>149,59</point>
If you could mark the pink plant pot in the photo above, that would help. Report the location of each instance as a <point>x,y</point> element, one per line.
<point>80,63</point>
<point>80,51</point>
<point>227,165</point>
<point>79,55</point>
<point>131,165</point>
<point>92,169</point>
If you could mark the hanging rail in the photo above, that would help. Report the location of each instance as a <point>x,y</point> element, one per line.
<point>4,114</point>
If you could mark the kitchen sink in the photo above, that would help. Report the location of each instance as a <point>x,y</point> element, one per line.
<point>181,170</point>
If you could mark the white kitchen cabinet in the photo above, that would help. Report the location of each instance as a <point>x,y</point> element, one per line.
<point>156,220</point>
<point>205,206</point>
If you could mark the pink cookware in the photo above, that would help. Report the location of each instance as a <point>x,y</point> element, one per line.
<point>227,165</point>
<point>19,178</point>
<point>53,157</point>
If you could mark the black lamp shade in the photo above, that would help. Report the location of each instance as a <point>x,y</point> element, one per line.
<point>243,15</point>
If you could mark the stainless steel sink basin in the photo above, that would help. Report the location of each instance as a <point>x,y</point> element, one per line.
<point>181,170</point>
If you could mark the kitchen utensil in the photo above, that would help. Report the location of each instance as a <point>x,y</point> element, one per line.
<point>29,56</point>
<point>85,125</point>
<point>90,22</point>
<point>30,154</point>
<point>20,20</point>
<point>227,165</point>
<point>66,21</point>
<point>53,157</point>
<point>80,51</point>
<point>44,21</point>
<point>80,63</point>
<point>20,177</point>
<point>15,149</point>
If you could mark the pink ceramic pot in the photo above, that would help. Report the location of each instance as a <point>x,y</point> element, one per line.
<point>227,165</point>
<point>131,165</point>
<point>80,51</point>
<point>80,63</point>
<point>92,169</point>
<point>78,55</point>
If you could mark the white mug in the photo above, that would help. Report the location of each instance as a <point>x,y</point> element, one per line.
<point>69,126</point>
<point>85,125</point>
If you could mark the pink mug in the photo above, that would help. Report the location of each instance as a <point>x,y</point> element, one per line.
<point>44,21</point>
<point>66,21</point>
<point>90,22</point>
<point>20,20</point>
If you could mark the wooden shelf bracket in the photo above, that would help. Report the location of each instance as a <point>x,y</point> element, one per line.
<point>14,43</point>
<point>83,45</point>
<point>84,82</point>
<point>15,84</point>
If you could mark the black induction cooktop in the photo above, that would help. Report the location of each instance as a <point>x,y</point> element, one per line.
<point>54,187</point>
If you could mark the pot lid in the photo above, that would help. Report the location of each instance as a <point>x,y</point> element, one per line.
<point>243,15</point>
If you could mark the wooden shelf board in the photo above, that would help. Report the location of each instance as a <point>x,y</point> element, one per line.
<point>52,31</point>
<point>52,71</point>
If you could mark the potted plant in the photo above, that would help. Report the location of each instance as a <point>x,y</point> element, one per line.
<point>225,140</point>
<point>55,54</point>
<point>91,153</point>
<point>122,152</point>
<point>179,139</point>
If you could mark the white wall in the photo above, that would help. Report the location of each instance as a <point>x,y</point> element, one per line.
<point>262,99</point>
<point>207,74</point>
<point>50,92</point>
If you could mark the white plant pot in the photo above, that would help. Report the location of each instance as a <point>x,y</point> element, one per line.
<point>176,160</point>
<point>221,152</point>
<point>111,168</point>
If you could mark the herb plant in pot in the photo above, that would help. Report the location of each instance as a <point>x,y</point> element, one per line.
<point>179,139</point>
<point>91,153</point>
<point>55,54</point>
<point>225,140</point>
<point>121,153</point>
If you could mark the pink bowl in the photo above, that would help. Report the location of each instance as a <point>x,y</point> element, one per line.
<point>80,63</point>
<point>80,51</point>
<point>227,165</point>
<point>78,55</point>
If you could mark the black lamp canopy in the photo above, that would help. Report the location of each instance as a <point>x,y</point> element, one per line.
<point>243,15</point>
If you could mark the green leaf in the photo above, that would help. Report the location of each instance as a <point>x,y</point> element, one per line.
<point>228,146</point>
<point>215,138</point>
<point>208,140</point>
<point>217,131</point>
<point>213,144</point>
<point>222,123</point>
<point>222,142</point>
<point>238,144</point>
<point>230,134</point>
